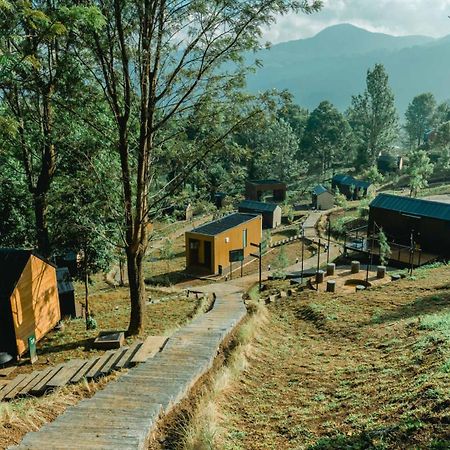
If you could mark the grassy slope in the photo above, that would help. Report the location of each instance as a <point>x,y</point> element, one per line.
<point>367,370</point>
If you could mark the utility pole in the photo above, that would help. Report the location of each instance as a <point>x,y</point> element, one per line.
<point>328,244</point>
<point>318,264</point>
<point>303,250</point>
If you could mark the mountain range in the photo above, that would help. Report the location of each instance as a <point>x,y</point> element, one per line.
<point>333,65</point>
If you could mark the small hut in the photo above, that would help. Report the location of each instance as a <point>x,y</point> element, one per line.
<point>271,213</point>
<point>29,304</point>
<point>352,188</point>
<point>322,198</point>
<point>256,189</point>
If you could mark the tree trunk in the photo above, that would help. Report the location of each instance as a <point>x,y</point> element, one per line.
<point>40,213</point>
<point>137,292</point>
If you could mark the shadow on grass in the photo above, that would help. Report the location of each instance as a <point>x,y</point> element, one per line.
<point>169,278</point>
<point>430,304</point>
<point>49,348</point>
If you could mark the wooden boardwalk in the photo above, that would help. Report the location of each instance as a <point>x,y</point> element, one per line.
<point>39,382</point>
<point>124,414</point>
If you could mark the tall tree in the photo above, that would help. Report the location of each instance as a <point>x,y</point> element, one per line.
<point>156,61</point>
<point>373,116</point>
<point>327,138</point>
<point>37,75</point>
<point>420,117</point>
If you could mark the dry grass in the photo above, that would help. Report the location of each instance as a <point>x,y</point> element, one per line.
<point>356,371</point>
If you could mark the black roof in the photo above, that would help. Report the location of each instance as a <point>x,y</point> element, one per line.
<point>258,206</point>
<point>413,206</point>
<point>64,280</point>
<point>319,189</point>
<point>12,263</point>
<point>224,224</point>
<point>348,180</point>
<point>268,181</point>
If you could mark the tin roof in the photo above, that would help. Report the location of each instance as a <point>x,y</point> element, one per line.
<point>348,180</point>
<point>413,206</point>
<point>224,224</point>
<point>258,206</point>
<point>319,189</point>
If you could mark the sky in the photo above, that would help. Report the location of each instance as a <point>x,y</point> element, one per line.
<point>396,17</point>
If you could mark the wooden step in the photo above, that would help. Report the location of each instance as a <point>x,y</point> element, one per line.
<point>66,373</point>
<point>41,375</point>
<point>25,382</point>
<point>127,356</point>
<point>41,386</point>
<point>109,366</point>
<point>151,346</point>
<point>83,370</point>
<point>95,370</point>
<point>12,384</point>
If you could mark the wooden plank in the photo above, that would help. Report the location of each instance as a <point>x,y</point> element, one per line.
<point>41,386</point>
<point>109,366</point>
<point>66,373</point>
<point>10,386</point>
<point>84,370</point>
<point>128,355</point>
<point>151,346</point>
<point>94,371</point>
<point>35,381</point>
<point>14,392</point>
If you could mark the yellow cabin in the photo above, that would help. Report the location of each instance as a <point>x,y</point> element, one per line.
<point>29,304</point>
<point>211,247</point>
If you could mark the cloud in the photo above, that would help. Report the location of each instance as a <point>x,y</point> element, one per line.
<point>397,17</point>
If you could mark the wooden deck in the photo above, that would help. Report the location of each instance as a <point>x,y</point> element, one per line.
<point>124,414</point>
<point>39,382</point>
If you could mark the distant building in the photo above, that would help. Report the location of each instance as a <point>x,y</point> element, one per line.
<point>210,247</point>
<point>389,163</point>
<point>271,213</point>
<point>322,198</point>
<point>29,305</point>
<point>352,188</point>
<point>427,222</point>
<point>254,190</point>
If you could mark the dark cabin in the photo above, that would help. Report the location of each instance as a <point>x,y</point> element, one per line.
<point>29,304</point>
<point>68,305</point>
<point>352,188</point>
<point>402,218</point>
<point>255,190</point>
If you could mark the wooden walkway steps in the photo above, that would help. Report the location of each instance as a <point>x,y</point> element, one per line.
<point>39,382</point>
<point>124,414</point>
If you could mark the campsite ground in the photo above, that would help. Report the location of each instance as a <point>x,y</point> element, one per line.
<point>361,370</point>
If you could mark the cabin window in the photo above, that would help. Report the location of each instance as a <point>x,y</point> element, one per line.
<point>244,238</point>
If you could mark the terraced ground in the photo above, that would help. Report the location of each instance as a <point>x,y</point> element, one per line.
<point>368,370</point>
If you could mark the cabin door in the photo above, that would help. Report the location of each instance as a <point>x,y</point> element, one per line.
<point>194,245</point>
<point>208,254</point>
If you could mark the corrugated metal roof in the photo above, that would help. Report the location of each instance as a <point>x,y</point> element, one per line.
<point>413,206</point>
<point>319,189</point>
<point>224,224</point>
<point>64,280</point>
<point>348,180</point>
<point>257,206</point>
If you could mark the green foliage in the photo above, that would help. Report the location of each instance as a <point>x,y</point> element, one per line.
<point>327,139</point>
<point>385,249</point>
<point>419,170</point>
<point>420,117</point>
<point>340,199</point>
<point>373,175</point>
<point>281,262</point>
<point>373,116</point>
<point>91,323</point>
